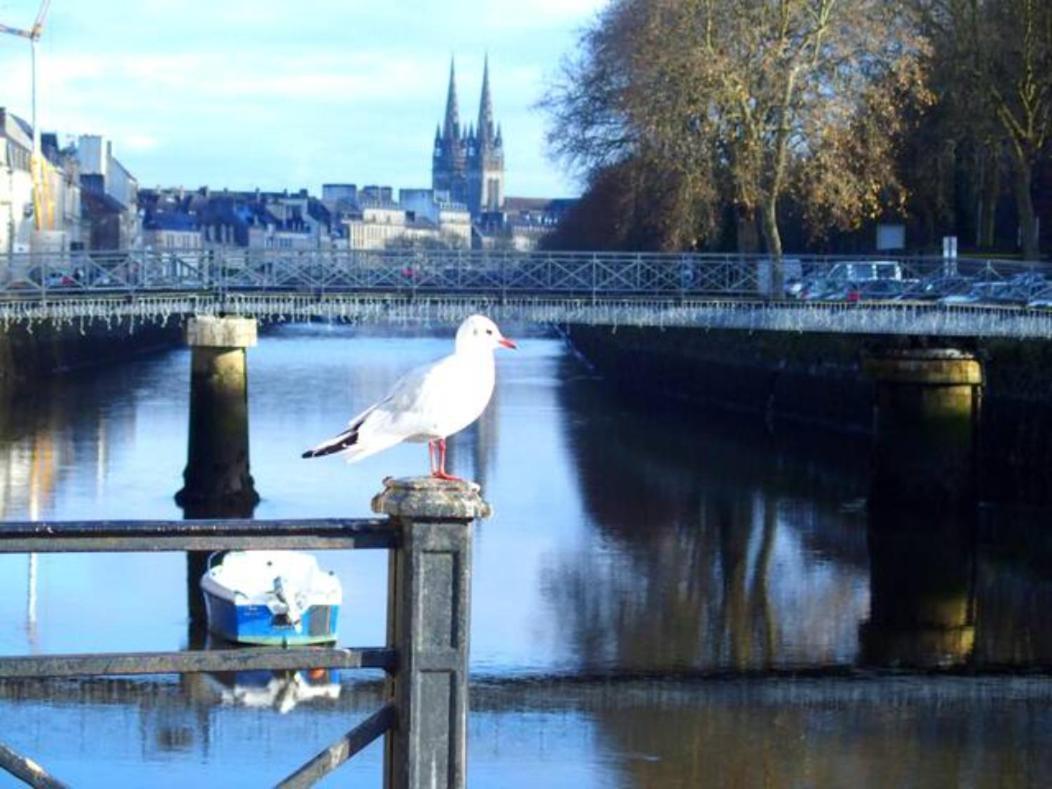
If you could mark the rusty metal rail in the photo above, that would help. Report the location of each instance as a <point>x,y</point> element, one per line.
<point>428,536</point>
<point>256,659</point>
<point>195,535</point>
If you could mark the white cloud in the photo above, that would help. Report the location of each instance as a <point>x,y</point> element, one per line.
<point>139,142</point>
<point>541,13</point>
<point>231,91</point>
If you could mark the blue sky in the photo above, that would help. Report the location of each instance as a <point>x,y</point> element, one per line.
<point>277,94</point>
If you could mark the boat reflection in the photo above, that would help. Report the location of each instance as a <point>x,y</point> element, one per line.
<point>279,690</point>
<point>282,691</point>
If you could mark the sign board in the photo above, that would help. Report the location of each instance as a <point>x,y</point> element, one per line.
<point>949,246</point>
<point>891,236</point>
<point>949,255</point>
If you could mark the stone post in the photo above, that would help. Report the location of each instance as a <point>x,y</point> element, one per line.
<point>927,424</point>
<point>216,481</point>
<point>217,476</point>
<point>428,622</point>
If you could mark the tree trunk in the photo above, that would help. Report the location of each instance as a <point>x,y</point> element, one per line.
<point>991,189</point>
<point>774,248</point>
<point>1025,209</point>
<point>748,241</point>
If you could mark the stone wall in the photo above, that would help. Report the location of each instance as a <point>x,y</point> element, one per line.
<point>26,355</point>
<point>807,378</point>
<point>816,379</point>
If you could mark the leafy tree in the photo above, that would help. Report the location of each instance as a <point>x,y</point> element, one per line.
<point>634,204</point>
<point>746,102</point>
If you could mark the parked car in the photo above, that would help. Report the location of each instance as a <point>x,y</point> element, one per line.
<point>938,287</point>
<point>866,271</point>
<point>880,289</point>
<point>999,292</point>
<point>50,278</point>
<point>1042,299</point>
<point>856,280</point>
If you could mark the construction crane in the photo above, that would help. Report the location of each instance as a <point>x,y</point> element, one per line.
<point>43,206</point>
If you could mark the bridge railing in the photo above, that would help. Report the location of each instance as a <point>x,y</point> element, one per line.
<point>231,270</point>
<point>428,535</point>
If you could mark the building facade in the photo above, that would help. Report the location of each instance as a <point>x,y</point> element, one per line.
<point>375,226</point>
<point>468,163</point>
<point>41,213</point>
<point>110,196</point>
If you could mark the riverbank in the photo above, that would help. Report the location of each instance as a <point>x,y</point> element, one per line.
<point>816,380</point>
<point>30,353</point>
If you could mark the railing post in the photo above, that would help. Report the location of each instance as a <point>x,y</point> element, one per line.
<point>428,623</point>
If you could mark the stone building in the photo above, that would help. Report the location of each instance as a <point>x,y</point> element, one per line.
<point>48,221</point>
<point>468,163</point>
<point>110,196</point>
<point>451,220</point>
<point>375,225</point>
<point>261,220</point>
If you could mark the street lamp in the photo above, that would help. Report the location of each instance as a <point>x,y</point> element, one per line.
<point>37,161</point>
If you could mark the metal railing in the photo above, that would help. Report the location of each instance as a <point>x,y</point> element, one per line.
<point>644,288</point>
<point>223,270</point>
<point>429,579</point>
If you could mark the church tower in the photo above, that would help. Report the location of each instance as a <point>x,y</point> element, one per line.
<point>485,148</point>
<point>449,162</point>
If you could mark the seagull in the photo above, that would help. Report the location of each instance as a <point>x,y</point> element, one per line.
<point>429,402</point>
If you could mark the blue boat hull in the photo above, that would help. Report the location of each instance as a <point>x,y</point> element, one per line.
<point>255,624</point>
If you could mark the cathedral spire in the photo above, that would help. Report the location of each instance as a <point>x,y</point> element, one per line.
<point>451,130</point>
<point>485,126</point>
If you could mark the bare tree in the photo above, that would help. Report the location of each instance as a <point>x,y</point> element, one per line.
<point>748,101</point>
<point>1011,64</point>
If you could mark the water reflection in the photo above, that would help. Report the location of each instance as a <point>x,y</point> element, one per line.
<point>629,540</point>
<point>922,600</point>
<point>37,446</point>
<point>886,731</point>
<point>727,548</point>
<point>830,733</point>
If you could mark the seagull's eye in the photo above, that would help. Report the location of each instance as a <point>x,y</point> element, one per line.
<point>489,331</point>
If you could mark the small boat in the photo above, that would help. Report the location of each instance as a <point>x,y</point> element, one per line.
<point>274,598</point>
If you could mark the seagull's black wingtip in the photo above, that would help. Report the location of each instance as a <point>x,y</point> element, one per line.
<point>308,454</point>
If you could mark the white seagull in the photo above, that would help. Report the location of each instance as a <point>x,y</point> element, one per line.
<point>428,403</point>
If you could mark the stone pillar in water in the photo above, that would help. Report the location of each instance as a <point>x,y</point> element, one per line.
<point>216,481</point>
<point>927,425</point>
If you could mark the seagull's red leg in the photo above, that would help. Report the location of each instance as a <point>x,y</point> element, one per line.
<point>431,456</point>
<point>442,473</point>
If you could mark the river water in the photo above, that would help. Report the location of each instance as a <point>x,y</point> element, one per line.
<point>662,597</point>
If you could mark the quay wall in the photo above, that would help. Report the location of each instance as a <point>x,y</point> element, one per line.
<point>817,380</point>
<point>28,354</point>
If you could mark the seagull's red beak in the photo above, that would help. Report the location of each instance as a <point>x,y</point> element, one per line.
<point>507,343</point>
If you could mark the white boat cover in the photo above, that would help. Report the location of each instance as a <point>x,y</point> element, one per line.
<point>287,582</point>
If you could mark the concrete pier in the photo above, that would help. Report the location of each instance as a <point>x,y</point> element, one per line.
<point>217,479</point>
<point>429,620</point>
<point>927,426</point>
